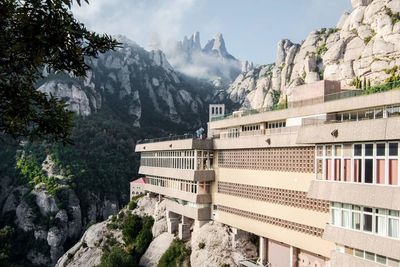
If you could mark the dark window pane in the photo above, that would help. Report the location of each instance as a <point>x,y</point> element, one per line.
<point>367,223</point>
<point>393,149</point>
<point>357,150</point>
<point>368,171</point>
<point>380,149</point>
<point>369,149</point>
<point>378,113</point>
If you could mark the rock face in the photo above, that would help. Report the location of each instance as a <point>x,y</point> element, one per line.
<point>89,250</point>
<point>212,62</point>
<point>219,246</point>
<point>156,249</point>
<point>364,43</point>
<point>133,82</point>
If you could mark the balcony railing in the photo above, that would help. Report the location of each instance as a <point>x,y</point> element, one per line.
<point>270,131</point>
<point>167,138</point>
<point>331,97</point>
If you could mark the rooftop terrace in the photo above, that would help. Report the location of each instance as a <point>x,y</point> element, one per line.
<point>326,98</point>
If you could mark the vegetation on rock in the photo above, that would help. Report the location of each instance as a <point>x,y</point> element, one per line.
<point>175,255</point>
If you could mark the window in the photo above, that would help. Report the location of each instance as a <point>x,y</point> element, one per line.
<point>369,149</point>
<point>369,256</point>
<point>393,149</point>
<point>381,222</point>
<point>356,220</point>
<point>359,253</point>
<point>380,149</point>
<point>368,171</point>
<point>381,259</point>
<point>358,150</point>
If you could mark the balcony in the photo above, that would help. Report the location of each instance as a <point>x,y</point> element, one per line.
<point>184,174</point>
<point>184,142</point>
<point>277,137</point>
<point>196,213</point>
<point>356,239</point>
<point>379,196</point>
<point>173,193</point>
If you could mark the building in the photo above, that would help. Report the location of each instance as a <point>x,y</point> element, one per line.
<point>137,187</point>
<point>316,179</point>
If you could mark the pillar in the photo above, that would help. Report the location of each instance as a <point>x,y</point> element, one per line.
<point>184,228</point>
<point>263,254</point>
<point>236,235</point>
<point>198,224</point>
<point>172,222</point>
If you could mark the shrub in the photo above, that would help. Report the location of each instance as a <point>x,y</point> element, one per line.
<point>132,205</point>
<point>367,39</point>
<point>202,245</point>
<point>131,228</point>
<point>175,254</point>
<point>117,257</point>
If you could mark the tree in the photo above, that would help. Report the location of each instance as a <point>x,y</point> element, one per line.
<point>39,34</point>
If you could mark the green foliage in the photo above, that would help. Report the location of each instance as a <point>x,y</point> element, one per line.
<point>367,39</point>
<point>35,35</point>
<point>131,228</point>
<point>276,95</point>
<point>356,82</point>
<point>117,256</point>
<point>6,234</point>
<point>102,159</point>
<point>224,265</point>
<point>136,233</point>
<point>30,168</point>
<point>175,255</point>
<point>395,17</point>
<point>354,31</point>
<point>394,74</point>
<point>202,245</point>
<point>133,203</point>
<point>321,50</point>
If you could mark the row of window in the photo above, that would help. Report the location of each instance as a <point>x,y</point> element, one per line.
<point>382,222</point>
<point>189,160</point>
<point>276,124</point>
<point>181,185</point>
<point>250,128</point>
<point>368,256</point>
<point>368,114</point>
<point>370,163</point>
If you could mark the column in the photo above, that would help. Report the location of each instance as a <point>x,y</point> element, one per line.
<point>263,254</point>
<point>198,224</point>
<point>172,222</point>
<point>184,228</point>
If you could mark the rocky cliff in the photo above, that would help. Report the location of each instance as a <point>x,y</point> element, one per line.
<point>213,62</point>
<point>364,43</point>
<point>140,84</point>
<point>219,247</point>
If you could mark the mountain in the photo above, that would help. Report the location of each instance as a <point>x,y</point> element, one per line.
<point>51,193</point>
<point>213,62</point>
<point>148,90</point>
<point>364,43</point>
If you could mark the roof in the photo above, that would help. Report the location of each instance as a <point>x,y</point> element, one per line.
<point>139,181</point>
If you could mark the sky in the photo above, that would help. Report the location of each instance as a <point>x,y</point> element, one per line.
<point>251,28</point>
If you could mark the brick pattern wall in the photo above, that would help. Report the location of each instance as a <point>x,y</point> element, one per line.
<point>279,196</point>
<point>289,159</point>
<point>306,229</point>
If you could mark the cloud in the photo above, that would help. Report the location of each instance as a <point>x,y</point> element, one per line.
<point>147,22</point>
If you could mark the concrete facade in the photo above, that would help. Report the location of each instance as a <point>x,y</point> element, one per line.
<point>280,174</point>
<point>386,197</point>
<point>371,243</point>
